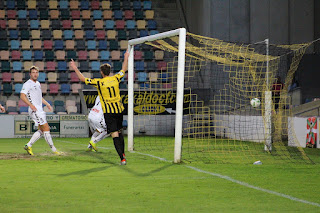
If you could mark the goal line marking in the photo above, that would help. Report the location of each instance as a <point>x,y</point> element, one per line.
<point>222,177</point>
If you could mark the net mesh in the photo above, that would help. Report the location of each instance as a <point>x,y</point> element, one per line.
<point>219,124</point>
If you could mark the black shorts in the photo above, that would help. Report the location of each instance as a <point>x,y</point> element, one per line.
<point>113,121</point>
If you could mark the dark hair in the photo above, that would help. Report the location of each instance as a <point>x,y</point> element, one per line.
<point>105,69</point>
<point>33,68</point>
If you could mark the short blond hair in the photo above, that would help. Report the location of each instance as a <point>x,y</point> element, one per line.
<point>33,68</point>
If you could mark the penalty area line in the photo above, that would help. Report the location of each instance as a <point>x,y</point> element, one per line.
<point>237,181</point>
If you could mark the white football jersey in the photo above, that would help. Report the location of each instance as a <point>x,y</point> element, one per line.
<point>96,111</point>
<point>33,92</point>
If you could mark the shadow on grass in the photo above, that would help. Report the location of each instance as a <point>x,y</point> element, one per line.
<point>86,171</point>
<point>133,172</point>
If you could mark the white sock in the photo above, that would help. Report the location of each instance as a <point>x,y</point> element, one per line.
<point>48,138</point>
<point>94,135</point>
<point>34,138</point>
<point>101,136</point>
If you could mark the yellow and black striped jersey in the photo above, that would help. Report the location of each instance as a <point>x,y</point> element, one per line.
<point>108,90</point>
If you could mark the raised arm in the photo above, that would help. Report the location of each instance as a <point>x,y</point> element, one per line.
<point>25,99</point>
<point>125,62</point>
<point>75,68</point>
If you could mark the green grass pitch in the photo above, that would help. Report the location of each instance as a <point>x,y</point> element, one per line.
<point>94,182</point>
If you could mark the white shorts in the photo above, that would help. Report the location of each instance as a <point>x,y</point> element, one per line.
<point>97,123</point>
<point>39,117</point>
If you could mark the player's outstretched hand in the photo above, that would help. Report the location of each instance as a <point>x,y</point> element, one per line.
<point>2,108</point>
<point>126,54</point>
<point>73,65</point>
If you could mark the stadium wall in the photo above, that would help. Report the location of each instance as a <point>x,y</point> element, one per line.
<point>283,22</point>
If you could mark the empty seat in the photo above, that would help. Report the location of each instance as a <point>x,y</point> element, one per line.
<point>144,33</point>
<point>55,24</point>
<point>64,14</point>
<point>86,14</point>
<point>38,55</point>
<point>91,45</point>
<point>117,66</point>
<point>11,14</point>
<point>81,45</point>
<point>128,14</point>
<point>90,34</point>
<point>53,4</point>
<point>52,77</point>
<point>137,55</point>
<point>74,5</point>
<point>47,44</point>
<point>123,45</point>
<point>114,45</point>
<point>101,34</point>
<point>102,45</point>
<point>4,55</point>
<point>22,14</point>
<point>63,4</point>
<point>118,14</point>
<point>15,44</point>
<point>104,55</point>
<point>68,34</point>
<point>58,45</point>
<point>107,14</point>
<point>153,76</point>
<point>17,89</point>
<point>18,77</point>
<point>84,5</point>
<point>53,89</point>
<point>42,4</point>
<point>97,14</point>
<point>149,14</point>
<point>78,34</point>
<point>115,5</point>
<point>139,15</point>
<point>51,66</point>
<point>87,24</point>
<point>153,32</point>
<point>49,55</point>
<point>70,44</point>
<point>152,25</point>
<point>24,35</point>
<point>60,55</point>
<point>95,66</point>
<point>151,66</point>
<point>62,66</point>
<point>139,66</point>
<point>136,5</point>
<point>44,14</point>
<point>34,24</point>
<point>21,4</point>
<point>15,55</point>
<point>26,66</point>
<point>126,5</point>
<point>35,34</point>
<point>141,24</point>
<point>105,5</point>
<point>82,55</point>
<point>75,14</point>
<point>111,34</point>
<point>71,55</point>
<point>77,24</point>
<point>120,24</point>
<point>75,88</point>
<point>6,77</point>
<point>142,77</point>
<point>7,89</point>
<point>73,77</point>
<point>45,24</point>
<point>93,55</point>
<point>13,34</point>
<point>33,14</point>
<point>71,109</point>
<point>5,66</point>
<point>122,35</point>
<point>42,77</point>
<point>16,66</point>
<point>63,77</point>
<point>40,65</point>
<point>4,45</point>
<point>131,24</point>
<point>84,65</point>
<point>161,65</point>
<point>66,24</point>
<point>110,24</point>
<point>147,5</point>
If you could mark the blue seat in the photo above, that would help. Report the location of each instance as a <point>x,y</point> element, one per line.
<point>63,4</point>
<point>17,88</point>
<point>152,25</point>
<point>153,32</point>
<point>136,5</point>
<point>22,14</point>
<point>62,66</point>
<point>68,34</point>
<point>95,66</point>
<point>118,14</point>
<point>16,66</point>
<point>33,14</point>
<point>11,4</point>
<point>34,24</point>
<point>84,5</point>
<point>24,109</point>
<point>102,45</point>
<point>90,34</point>
<point>42,77</point>
<point>97,14</point>
<point>164,77</point>
<point>63,77</point>
<point>104,55</point>
<point>65,88</point>
<point>38,55</point>
<point>131,24</point>
<point>147,5</point>
<point>13,34</point>
<point>142,77</point>
<point>58,44</point>
<point>144,86</point>
<point>91,45</point>
<point>15,44</point>
<point>143,33</point>
<point>27,55</point>
<point>110,24</point>
<point>139,66</point>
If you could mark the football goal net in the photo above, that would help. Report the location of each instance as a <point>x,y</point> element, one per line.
<point>192,100</point>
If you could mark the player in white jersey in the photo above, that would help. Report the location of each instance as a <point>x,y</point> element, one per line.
<point>97,123</point>
<point>31,94</point>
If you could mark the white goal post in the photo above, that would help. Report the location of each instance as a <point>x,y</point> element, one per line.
<point>181,32</point>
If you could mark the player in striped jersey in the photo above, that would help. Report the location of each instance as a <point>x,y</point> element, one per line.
<point>109,93</point>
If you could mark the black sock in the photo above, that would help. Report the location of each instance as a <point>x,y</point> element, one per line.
<point>117,145</point>
<point>121,142</point>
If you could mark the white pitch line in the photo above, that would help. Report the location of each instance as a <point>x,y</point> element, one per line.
<point>225,178</point>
